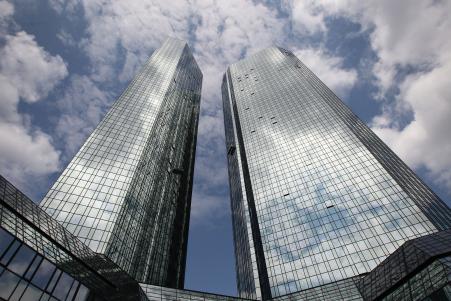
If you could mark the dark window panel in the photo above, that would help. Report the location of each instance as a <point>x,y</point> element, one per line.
<point>43,274</point>
<point>21,260</point>
<point>8,282</point>
<point>5,241</point>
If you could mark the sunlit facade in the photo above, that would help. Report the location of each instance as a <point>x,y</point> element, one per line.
<point>317,197</point>
<point>127,192</point>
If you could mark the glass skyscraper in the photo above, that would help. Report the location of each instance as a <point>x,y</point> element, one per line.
<point>317,198</point>
<point>322,209</point>
<point>127,192</point>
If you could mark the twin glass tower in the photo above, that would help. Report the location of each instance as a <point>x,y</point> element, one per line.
<point>316,197</point>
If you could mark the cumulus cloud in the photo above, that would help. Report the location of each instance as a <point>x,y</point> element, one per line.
<point>134,27</point>
<point>6,11</point>
<point>26,153</point>
<point>32,70</point>
<point>407,38</point>
<point>415,35</point>
<point>329,69</point>
<point>27,73</point>
<point>306,16</point>
<point>397,29</point>
<point>66,38</point>
<point>425,140</point>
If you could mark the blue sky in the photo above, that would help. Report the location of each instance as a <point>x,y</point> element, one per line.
<point>62,64</point>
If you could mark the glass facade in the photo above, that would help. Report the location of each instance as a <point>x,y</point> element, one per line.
<point>41,260</point>
<point>127,192</point>
<point>158,293</point>
<point>316,196</point>
<point>26,275</point>
<point>431,284</point>
<point>345,289</point>
<point>419,268</point>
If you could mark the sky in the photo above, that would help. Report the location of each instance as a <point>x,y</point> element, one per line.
<point>63,63</point>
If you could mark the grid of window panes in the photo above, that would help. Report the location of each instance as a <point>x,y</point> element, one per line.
<point>34,227</point>
<point>27,276</point>
<point>158,293</point>
<point>245,261</point>
<point>345,289</point>
<point>142,150</point>
<point>149,238</point>
<point>327,208</point>
<point>407,260</point>
<point>431,205</point>
<point>431,283</point>
<point>90,192</point>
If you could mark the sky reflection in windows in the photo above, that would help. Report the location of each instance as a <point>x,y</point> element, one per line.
<point>327,208</point>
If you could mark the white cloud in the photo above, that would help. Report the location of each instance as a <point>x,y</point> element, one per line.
<point>28,73</point>
<point>66,38</point>
<point>6,10</point>
<point>32,70</point>
<point>405,35</point>
<point>9,98</point>
<point>415,34</point>
<point>398,29</point>
<point>329,69</point>
<point>424,141</point>
<point>25,154</point>
<point>6,13</point>
<point>207,208</point>
<point>138,27</point>
<point>81,109</point>
<point>307,18</point>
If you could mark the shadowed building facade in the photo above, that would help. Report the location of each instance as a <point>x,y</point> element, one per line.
<point>127,192</point>
<point>317,198</point>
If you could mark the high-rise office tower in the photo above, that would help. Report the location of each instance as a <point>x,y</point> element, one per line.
<point>127,192</point>
<point>316,196</point>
